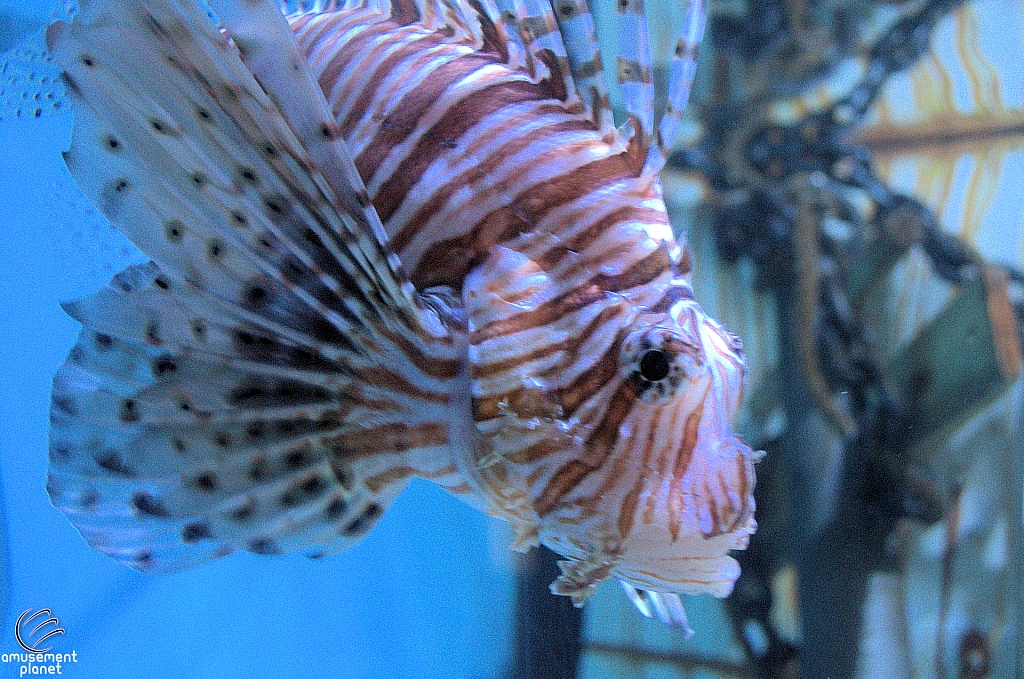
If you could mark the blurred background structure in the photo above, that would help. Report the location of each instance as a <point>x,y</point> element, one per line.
<point>852,189</point>
<point>851,186</point>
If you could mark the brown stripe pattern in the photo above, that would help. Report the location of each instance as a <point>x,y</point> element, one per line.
<point>494,181</point>
<point>268,384</point>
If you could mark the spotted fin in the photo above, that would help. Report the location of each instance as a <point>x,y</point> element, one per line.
<point>30,84</point>
<point>270,381</point>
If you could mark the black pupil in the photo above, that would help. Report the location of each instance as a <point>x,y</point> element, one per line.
<point>654,365</point>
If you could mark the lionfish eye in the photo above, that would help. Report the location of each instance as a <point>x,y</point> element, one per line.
<point>660,362</point>
<point>654,365</point>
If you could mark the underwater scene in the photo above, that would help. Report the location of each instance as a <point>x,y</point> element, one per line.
<point>512,339</point>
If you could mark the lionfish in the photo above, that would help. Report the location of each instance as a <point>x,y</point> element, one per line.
<point>392,240</point>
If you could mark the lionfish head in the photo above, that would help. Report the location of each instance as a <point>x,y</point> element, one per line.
<point>690,497</point>
<point>653,487</point>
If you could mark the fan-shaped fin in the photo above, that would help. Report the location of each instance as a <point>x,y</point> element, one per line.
<point>270,382</point>
<point>172,157</point>
<point>165,454</point>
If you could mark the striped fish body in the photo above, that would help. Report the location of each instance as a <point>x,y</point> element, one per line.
<point>427,254</point>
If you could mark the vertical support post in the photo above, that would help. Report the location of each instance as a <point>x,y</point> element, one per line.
<point>547,635</point>
<point>1016,555</point>
<point>831,562</point>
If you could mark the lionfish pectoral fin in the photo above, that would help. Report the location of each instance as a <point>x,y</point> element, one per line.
<point>258,386</point>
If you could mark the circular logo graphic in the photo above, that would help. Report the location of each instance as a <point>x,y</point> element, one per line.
<point>43,626</point>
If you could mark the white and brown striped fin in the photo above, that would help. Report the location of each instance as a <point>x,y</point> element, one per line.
<point>584,53</point>
<point>538,31</point>
<point>269,382</point>
<point>635,71</point>
<point>682,71</point>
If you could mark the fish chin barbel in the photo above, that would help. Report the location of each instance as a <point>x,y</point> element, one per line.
<point>274,377</point>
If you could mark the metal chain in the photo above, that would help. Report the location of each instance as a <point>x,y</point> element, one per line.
<point>759,173</point>
<point>763,177</point>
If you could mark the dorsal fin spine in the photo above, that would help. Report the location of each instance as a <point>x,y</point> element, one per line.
<point>584,55</point>
<point>635,72</point>
<point>682,71</point>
